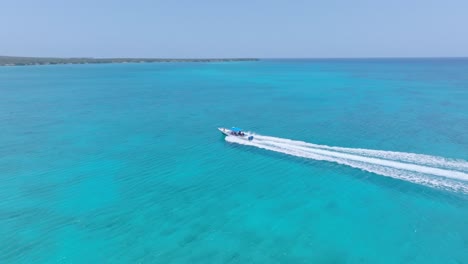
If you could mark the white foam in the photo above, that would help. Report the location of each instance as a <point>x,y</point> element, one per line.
<point>422,159</point>
<point>422,169</point>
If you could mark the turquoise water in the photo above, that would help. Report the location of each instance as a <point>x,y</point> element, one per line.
<point>122,163</point>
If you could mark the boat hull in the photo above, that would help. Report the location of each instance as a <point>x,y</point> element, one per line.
<point>229,132</point>
<point>225,131</point>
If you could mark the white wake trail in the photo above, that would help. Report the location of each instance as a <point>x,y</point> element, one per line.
<point>421,169</point>
<point>422,159</point>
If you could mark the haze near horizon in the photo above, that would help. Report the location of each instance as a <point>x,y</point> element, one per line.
<point>214,29</point>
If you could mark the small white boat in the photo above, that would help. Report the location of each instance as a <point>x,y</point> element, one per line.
<point>236,132</point>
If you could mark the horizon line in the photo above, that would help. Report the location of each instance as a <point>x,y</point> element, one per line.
<point>249,57</point>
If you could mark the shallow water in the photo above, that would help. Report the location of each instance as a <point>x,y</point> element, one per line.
<point>122,163</point>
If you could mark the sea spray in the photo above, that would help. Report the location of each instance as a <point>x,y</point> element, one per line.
<point>437,172</point>
<point>421,159</point>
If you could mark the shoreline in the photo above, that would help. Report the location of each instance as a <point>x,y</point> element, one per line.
<point>34,61</point>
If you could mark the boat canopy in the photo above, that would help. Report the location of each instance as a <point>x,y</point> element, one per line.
<point>236,129</point>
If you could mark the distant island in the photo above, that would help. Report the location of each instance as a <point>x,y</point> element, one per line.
<point>25,61</point>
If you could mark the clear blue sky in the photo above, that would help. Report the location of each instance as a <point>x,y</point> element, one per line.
<point>235,28</point>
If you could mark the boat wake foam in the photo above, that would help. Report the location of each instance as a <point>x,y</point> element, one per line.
<point>438,172</point>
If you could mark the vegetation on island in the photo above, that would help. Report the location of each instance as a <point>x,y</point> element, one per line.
<point>24,61</point>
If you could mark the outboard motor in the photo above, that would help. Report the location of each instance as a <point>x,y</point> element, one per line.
<point>250,138</point>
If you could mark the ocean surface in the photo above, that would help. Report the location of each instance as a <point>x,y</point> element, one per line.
<point>353,161</point>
